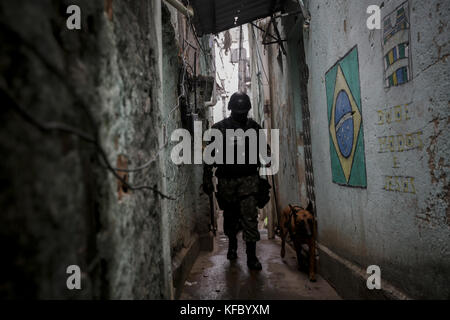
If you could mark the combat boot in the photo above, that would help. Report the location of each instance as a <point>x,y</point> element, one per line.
<point>252,261</point>
<point>232,248</point>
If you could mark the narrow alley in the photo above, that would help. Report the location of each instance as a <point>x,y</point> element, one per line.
<point>147,143</point>
<point>213,277</point>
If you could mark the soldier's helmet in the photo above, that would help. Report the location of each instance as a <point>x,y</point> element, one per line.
<point>239,103</point>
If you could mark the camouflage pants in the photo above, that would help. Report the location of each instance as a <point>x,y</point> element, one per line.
<point>237,200</point>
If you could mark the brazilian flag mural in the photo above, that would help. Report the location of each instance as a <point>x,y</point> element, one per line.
<point>345,123</point>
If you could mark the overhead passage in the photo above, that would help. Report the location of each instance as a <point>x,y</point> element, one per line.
<point>214,16</point>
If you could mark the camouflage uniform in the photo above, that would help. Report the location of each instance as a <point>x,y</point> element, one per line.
<point>238,182</point>
<point>237,188</point>
<point>240,213</point>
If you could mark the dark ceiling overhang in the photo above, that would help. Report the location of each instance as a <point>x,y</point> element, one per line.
<point>214,16</point>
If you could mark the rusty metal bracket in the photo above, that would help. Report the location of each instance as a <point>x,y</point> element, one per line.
<point>276,37</point>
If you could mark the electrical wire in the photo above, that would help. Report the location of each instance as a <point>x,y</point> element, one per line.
<point>62,127</point>
<point>195,34</point>
<point>259,56</point>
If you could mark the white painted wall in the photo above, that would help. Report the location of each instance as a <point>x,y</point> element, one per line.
<point>407,235</point>
<point>227,71</point>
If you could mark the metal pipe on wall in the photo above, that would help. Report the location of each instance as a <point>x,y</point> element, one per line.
<point>187,11</point>
<point>211,103</point>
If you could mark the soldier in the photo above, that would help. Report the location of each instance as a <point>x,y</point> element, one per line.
<point>237,184</point>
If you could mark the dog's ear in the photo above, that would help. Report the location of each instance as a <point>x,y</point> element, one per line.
<point>310,208</point>
<point>291,207</point>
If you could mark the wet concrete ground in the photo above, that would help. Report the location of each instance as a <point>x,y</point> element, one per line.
<point>214,277</point>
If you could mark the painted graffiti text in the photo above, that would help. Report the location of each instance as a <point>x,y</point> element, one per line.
<point>394,114</point>
<point>399,184</point>
<point>401,142</point>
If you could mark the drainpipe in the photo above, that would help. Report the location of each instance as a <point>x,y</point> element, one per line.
<point>213,101</point>
<point>306,15</point>
<point>177,4</point>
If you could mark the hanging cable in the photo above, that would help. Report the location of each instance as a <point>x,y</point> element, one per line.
<point>62,127</point>
<point>259,56</point>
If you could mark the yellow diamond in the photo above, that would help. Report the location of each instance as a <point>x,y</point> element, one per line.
<point>346,161</point>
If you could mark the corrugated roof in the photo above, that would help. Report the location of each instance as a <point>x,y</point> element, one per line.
<point>214,16</point>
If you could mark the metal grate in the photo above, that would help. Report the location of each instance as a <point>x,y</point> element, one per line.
<point>309,172</point>
<point>214,16</point>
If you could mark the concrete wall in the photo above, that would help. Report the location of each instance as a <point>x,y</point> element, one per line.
<point>59,205</point>
<point>288,186</point>
<point>62,207</point>
<point>404,228</point>
<point>381,205</point>
<point>188,215</point>
<point>277,103</point>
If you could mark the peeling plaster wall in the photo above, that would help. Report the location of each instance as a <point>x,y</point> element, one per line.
<point>189,213</point>
<point>406,234</point>
<point>59,205</point>
<point>51,212</point>
<point>288,189</point>
<point>129,89</point>
<point>277,95</point>
<point>278,105</point>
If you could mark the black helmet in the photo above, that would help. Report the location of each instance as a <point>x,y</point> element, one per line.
<point>239,103</point>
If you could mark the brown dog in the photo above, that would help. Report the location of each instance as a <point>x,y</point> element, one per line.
<point>299,224</point>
